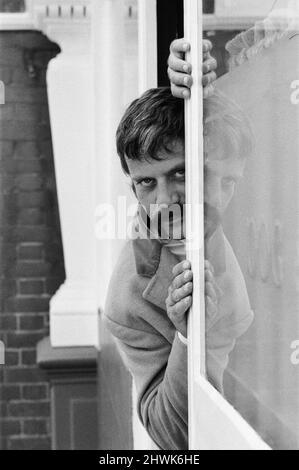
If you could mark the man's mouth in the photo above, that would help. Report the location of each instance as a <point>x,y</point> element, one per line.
<point>170,226</point>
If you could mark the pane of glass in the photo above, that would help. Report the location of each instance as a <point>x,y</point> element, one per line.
<point>251,215</point>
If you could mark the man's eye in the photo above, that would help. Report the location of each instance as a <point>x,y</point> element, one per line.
<point>180,174</point>
<point>146,182</point>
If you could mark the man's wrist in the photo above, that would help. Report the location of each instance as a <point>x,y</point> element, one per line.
<point>182,338</point>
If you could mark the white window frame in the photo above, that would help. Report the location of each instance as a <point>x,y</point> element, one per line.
<point>147,44</point>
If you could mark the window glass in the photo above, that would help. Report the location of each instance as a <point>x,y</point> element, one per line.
<point>251,215</point>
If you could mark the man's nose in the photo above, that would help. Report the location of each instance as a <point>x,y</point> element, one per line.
<point>167,196</point>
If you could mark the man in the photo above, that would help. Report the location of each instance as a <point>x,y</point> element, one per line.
<point>151,288</point>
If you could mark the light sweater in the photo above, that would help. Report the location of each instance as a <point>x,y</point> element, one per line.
<point>135,313</point>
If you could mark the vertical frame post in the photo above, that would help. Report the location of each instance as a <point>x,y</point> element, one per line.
<point>195,204</point>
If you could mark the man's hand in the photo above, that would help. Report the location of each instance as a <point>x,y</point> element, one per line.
<point>212,294</point>
<point>180,293</point>
<point>179,71</point>
<point>179,298</point>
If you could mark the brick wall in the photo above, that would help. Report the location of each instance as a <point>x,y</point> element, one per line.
<point>12,6</point>
<point>31,264</point>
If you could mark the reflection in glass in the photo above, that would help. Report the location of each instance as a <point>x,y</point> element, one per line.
<point>251,224</point>
<point>228,143</point>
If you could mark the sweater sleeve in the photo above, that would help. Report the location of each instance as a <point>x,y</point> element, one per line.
<point>159,370</point>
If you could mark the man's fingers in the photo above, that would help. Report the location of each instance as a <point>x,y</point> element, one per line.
<point>179,294</point>
<point>179,47</point>
<point>179,79</point>
<point>180,92</point>
<point>176,312</point>
<point>206,56</point>
<point>209,78</point>
<point>207,46</point>
<point>209,65</point>
<point>209,277</point>
<point>182,279</point>
<point>176,295</point>
<point>208,265</point>
<point>210,291</point>
<point>181,267</point>
<point>219,292</point>
<point>211,307</point>
<point>179,65</point>
<point>179,71</point>
<point>208,91</point>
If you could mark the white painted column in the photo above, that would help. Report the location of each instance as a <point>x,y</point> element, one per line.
<point>115,56</point>
<point>148,50</point>
<point>108,46</point>
<point>73,309</point>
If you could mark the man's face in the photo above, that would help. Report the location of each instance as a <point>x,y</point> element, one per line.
<point>220,176</point>
<point>162,182</point>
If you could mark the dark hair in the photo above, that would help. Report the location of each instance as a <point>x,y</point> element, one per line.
<point>150,124</point>
<point>156,119</point>
<point>226,127</point>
